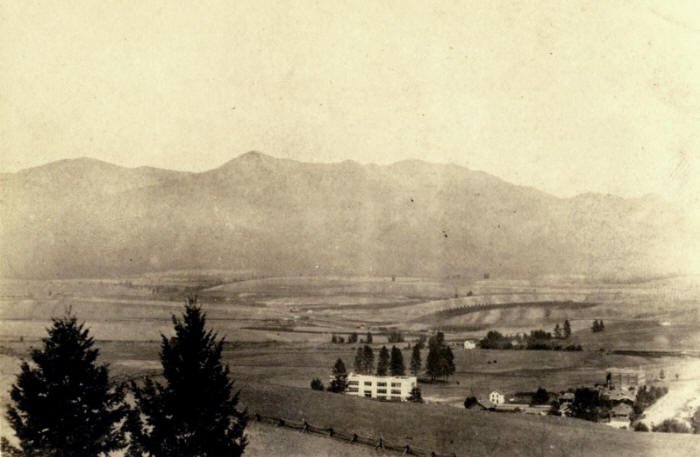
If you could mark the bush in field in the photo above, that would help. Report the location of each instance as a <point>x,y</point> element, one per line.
<point>195,411</point>
<point>316,384</point>
<point>470,401</point>
<point>641,427</point>
<point>63,404</point>
<point>416,395</point>
<point>671,426</point>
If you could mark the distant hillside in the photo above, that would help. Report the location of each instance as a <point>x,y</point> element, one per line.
<point>84,217</point>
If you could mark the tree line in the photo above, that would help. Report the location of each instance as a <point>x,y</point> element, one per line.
<point>64,404</point>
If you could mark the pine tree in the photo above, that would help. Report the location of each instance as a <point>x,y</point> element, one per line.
<point>383,362</point>
<point>317,384</point>
<point>595,328</point>
<point>601,325</point>
<point>195,412</point>
<point>416,362</point>
<point>359,362</point>
<point>567,329</point>
<point>369,338</point>
<point>440,360</point>
<point>63,404</point>
<point>557,331</point>
<point>368,356</point>
<point>396,366</point>
<point>340,376</point>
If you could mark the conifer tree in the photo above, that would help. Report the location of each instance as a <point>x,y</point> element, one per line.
<point>194,413</point>
<point>369,338</point>
<point>383,362</point>
<point>359,362</point>
<point>567,329</point>
<point>368,357</point>
<point>340,376</point>
<point>557,331</point>
<point>63,404</point>
<point>416,363</point>
<point>396,366</point>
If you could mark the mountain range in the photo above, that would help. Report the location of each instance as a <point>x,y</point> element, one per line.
<point>87,218</point>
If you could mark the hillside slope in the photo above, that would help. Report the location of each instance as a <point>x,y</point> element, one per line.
<point>89,218</point>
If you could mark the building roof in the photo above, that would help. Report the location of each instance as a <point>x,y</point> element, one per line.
<point>621,409</point>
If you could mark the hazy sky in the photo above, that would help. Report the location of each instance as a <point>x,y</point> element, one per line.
<point>565,96</point>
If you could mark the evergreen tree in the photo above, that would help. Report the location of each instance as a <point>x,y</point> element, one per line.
<point>368,356</point>
<point>601,325</point>
<point>340,376</point>
<point>352,338</point>
<point>63,404</point>
<point>195,412</point>
<point>416,363</point>
<point>440,360</point>
<point>396,366</point>
<point>383,362</point>
<point>359,362</point>
<point>369,338</point>
<point>567,329</point>
<point>594,327</point>
<point>557,331</point>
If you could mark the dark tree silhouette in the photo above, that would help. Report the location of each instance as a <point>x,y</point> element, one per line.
<point>316,384</point>
<point>383,362</point>
<point>340,376</point>
<point>368,356</point>
<point>396,366</point>
<point>567,329</point>
<point>369,338</point>
<point>195,411</point>
<point>63,404</point>
<point>416,362</point>
<point>440,360</point>
<point>416,396</point>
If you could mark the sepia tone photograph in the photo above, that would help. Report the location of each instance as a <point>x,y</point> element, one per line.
<point>349,228</point>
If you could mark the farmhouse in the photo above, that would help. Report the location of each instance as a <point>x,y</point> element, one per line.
<point>497,398</point>
<point>620,416</point>
<point>393,388</point>
<point>469,344</point>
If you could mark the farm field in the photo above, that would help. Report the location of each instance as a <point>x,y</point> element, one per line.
<point>278,334</point>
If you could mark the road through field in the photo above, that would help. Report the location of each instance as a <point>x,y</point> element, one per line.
<point>683,396</point>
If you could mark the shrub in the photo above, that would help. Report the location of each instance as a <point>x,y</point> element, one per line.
<point>671,426</point>
<point>316,384</point>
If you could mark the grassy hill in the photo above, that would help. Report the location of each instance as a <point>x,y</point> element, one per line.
<point>473,433</point>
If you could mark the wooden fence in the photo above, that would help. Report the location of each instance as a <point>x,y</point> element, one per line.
<point>377,442</point>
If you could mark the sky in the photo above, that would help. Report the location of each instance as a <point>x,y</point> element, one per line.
<point>568,97</point>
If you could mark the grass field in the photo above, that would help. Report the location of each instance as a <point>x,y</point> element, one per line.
<point>278,332</point>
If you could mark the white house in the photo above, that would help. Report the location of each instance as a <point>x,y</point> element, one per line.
<point>393,388</point>
<point>469,344</point>
<point>497,398</point>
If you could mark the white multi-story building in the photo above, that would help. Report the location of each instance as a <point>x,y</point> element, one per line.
<point>393,388</point>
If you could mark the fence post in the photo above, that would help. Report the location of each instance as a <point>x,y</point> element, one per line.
<point>354,438</point>
<point>281,422</point>
<point>406,450</point>
<point>306,427</point>
<point>380,445</point>
<point>331,432</point>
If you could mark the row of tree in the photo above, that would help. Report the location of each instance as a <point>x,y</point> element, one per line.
<point>352,338</point>
<point>64,403</point>
<point>564,331</point>
<point>598,326</point>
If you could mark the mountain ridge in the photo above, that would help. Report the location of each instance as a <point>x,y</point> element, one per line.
<point>87,217</point>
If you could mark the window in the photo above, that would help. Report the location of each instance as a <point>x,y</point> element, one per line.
<point>368,394</point>
<point>381,384</point>
<point>381,391</point>
<point>395,384</point>
<point>395,392</point>
<point>352,389</point>
<point>352,383</point>
<point>368,383</point>
<point>381,398</point>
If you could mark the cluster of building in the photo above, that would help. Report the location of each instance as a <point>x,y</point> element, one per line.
<point>620,388</point>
